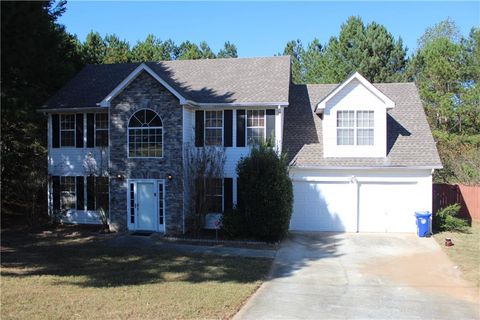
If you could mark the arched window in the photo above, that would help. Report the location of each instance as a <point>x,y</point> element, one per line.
<point>145,135</point>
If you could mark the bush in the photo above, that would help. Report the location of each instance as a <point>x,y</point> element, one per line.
<point>234,224</point>
<point>265,193</point>
<point>445,219</point>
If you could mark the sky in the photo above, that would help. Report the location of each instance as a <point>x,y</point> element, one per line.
<point>259,28</point>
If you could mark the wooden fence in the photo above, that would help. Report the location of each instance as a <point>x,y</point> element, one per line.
<point>467,196</point>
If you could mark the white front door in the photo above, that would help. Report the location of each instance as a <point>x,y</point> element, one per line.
<point>146,215</point>
<point>146,205</point>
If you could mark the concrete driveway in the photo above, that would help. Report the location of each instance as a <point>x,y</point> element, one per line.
<point>359,276</point>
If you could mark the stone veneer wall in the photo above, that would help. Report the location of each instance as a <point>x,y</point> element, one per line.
<point>146,92</point>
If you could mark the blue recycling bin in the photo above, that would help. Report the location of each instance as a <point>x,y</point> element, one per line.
<point>423,223</point>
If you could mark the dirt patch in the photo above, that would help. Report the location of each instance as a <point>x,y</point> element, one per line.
<point>431,272</point>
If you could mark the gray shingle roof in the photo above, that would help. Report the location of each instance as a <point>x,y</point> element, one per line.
<point>409,139</point>
<point>244,80</point>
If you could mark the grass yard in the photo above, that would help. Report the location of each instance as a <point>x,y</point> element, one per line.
<point>466,251</point>
<point>70,275</point>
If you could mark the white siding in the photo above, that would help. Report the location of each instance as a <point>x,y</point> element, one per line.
<point>355,96</point>
<point>76,161</point>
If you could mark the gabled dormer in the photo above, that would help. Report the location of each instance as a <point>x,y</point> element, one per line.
<point>355,119</point>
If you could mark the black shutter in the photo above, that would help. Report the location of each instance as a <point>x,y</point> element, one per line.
<point>80,193</point>
<point>270,124</point>
<point>90,193</point>
<point>90,130</point>
<point>79,128</point>
<point>199,125</point>
<point>56,192</point>
<point>227,193</point>
<point>55,131</point>
<point>240,128</point>
<point>227,128</point>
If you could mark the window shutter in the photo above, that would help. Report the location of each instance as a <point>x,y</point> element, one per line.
<point>270,125</point>
<point>90,130</point>
<point>227,128</point>
<point>90,193</point>
<point>79,128</point>
<point>240,128</point>
<point>227,193</point>
<point>80,194</point>
<point>56,192</point>
<point>199,125</point>
<point>55,131</point>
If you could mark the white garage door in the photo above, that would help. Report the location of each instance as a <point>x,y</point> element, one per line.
<point>323,206</point>
<point>387,207</point>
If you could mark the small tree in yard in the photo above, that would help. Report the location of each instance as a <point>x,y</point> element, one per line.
<point>265,193</point>
<point>99,169</point>
<point>201,165</point>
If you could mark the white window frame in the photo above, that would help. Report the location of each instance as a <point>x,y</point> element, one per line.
<point>355,128</point>
<point>247,141</point>
<point>365,128</point>
<point>205,128</point>
<point>68,130</point>
<point>146,128</point>
<point>103,129</point>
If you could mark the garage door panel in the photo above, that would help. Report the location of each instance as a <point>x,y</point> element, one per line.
<point>323,207</point>
<point>387,207</point>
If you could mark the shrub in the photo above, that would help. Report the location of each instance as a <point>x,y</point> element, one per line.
<point>445,219</point>
<point>234,224</point>
<point>265,193</point>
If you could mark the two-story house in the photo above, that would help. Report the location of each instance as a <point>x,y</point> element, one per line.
<point>362,155</point>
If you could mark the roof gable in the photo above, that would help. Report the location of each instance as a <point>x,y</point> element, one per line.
<point>389,103</point>
<point>134,74</point>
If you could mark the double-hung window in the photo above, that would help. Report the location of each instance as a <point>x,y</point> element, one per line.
<point>364,128</point>
<point>355,128</point>
<point>255,126</point>
<point>213,128</point>
<point>214,195</point>
<point>101,129</point>
<point>67,130</point>
<point>345,127</point>
<point>67,193</point>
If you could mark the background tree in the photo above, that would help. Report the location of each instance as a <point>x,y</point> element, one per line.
<point>188,51</point>
<point>206,52</point>
<point>229,51</point>
<point>38,57</point>
<point>94,48</point>
<point>370,50</point>
<point>116,50</point>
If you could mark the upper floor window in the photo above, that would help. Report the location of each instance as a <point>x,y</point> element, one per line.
<point>101,129</point>
<point>145,135</point>
<point>355,128</point>
<point>255,126</point>
<point>67,130</point>
<point>213,128</point>
<point>365,128</point>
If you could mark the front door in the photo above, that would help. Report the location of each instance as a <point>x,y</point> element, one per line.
<point>146,215</point>
<point>146,211</point>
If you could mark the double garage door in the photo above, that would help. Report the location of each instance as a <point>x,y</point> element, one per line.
<point>351,207</point>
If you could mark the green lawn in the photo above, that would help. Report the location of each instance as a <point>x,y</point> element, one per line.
<point>466,251</point>
<point>57,276</point>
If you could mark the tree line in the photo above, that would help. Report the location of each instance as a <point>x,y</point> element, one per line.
<point>39,56</point>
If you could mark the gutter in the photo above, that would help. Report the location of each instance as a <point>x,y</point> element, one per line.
<point>433,167</point>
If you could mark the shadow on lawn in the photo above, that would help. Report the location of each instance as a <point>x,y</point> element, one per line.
<point>90,261</point>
